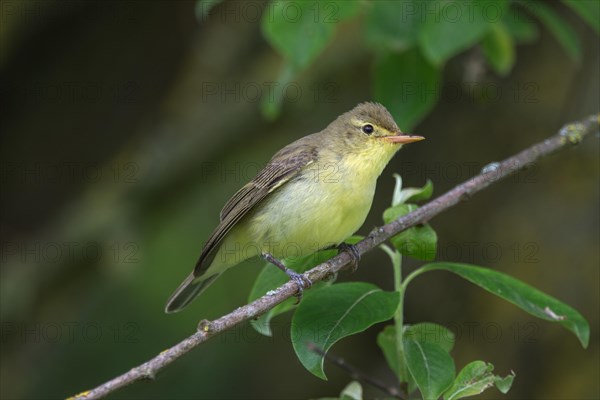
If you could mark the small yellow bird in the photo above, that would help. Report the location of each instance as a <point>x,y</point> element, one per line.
<point>313,194</point>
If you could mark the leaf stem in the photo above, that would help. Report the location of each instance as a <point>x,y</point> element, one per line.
<point>396,258</point>
<point>400,287</point>
<point>399,321</point>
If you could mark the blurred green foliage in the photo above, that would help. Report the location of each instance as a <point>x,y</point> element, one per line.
<point>413,39</point>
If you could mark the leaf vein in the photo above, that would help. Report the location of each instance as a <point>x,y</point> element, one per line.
<point>346,313</point>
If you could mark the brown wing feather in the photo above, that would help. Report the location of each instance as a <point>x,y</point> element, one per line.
<point>283,166</point>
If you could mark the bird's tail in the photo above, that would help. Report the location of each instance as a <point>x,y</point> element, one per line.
<point>186,292</point>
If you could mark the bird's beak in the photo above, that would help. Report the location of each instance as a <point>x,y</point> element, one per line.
<point>403,139</point>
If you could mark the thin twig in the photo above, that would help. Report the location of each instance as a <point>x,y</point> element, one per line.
<point>568,135</point>
<point>357,374</point>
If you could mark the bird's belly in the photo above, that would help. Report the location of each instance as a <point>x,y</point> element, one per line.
<point>307,215</point>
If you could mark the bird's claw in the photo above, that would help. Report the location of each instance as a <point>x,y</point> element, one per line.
<point>301,281</point>
<point>354,253</point>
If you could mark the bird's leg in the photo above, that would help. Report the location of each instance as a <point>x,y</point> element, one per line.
<point>353,251</point>
<point>299,279</point>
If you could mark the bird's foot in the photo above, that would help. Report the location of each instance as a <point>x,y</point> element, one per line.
<point>354,253</point>
<point>301,281</point>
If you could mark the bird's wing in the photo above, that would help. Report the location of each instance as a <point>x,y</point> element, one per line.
<point>284,165</point>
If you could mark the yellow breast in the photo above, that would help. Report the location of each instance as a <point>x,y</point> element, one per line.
<point>325,204</point>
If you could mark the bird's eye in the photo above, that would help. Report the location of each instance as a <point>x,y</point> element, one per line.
<point>368,129</point>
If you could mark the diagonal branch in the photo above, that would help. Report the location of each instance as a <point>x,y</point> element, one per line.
<point>569,135</point>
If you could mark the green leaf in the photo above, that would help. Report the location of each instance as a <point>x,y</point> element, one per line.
<point>588,10</point>
<point>410,194</point>
<point>419,242</point>
<point>300,29</point>
<point>353,391</point>
<point>520,294</point>
<point>271,277</point>
<point>504,384</point>
<point>393,25</point>
<point>408,85</point>
<point>386,340</point>
<point>521,26</point>
<point>499,49</point>
<point>456,25</point>
<point>398,196</point>
<point>431,367</point>
<point>419,194</point>
<point>397,211</point>
<point>564,34</point>
<point>425,332</point>
<point>354,239</point>
<point>428,332</point>
<point>327,315</point>
<point>474,379</point>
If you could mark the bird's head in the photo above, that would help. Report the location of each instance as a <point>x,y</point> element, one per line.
<point>370,125</point>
